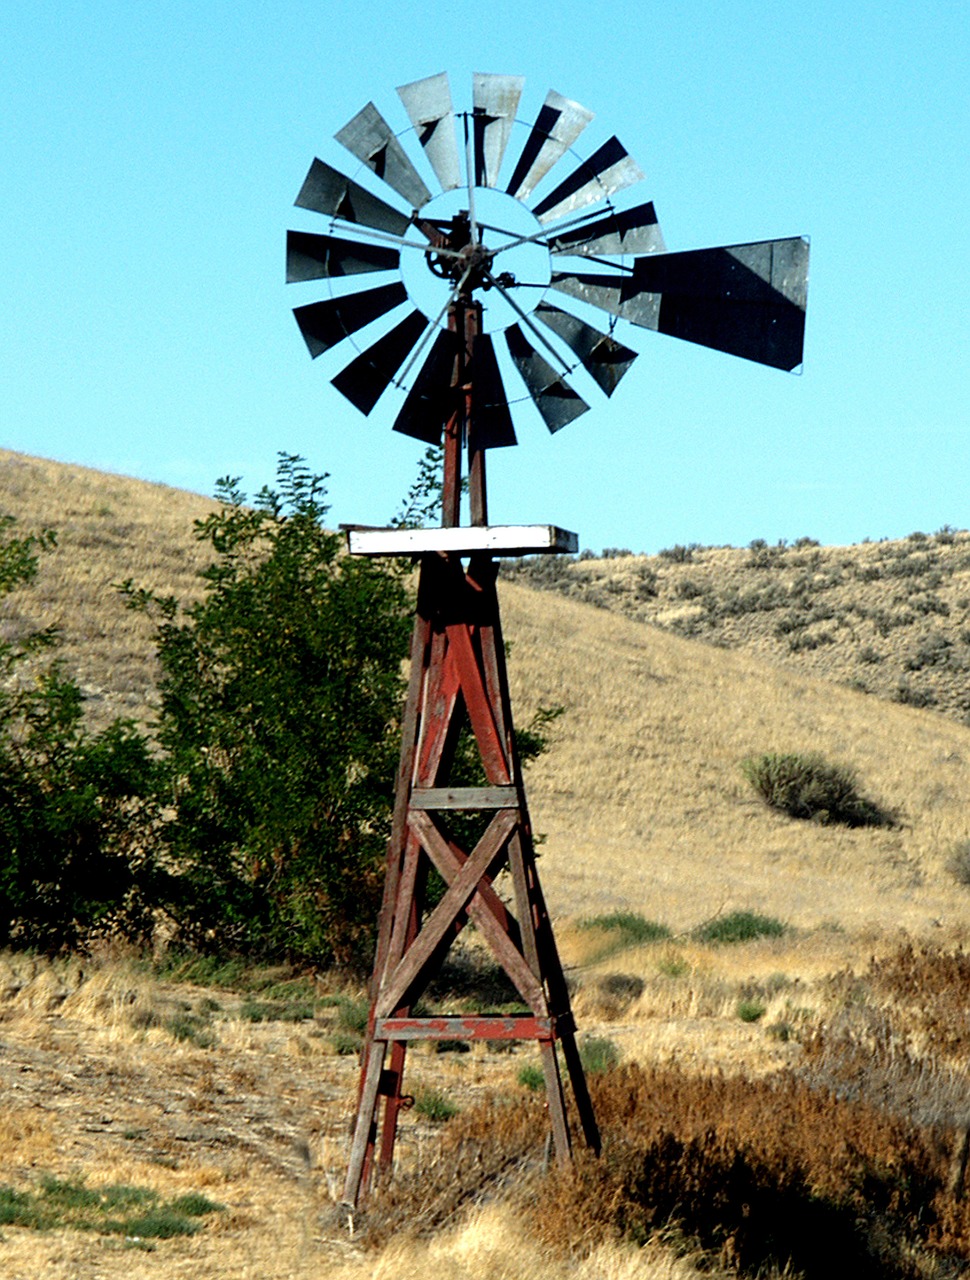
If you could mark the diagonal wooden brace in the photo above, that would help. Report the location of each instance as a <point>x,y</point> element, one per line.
<point>463,886</point>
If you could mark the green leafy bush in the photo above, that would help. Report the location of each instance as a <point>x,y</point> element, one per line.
<point>632,926</point>
<point>531,1077</point>
<point>807,786</point>
<point>739,926</point>
<point>598,1054</point>
<point>434,1106</point>
<point>750,1010</point>
<point>280,692</point>
<point>78,812</point>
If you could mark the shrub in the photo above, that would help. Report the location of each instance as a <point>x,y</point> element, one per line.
<point>739,926</point>
<point>531,1077</point>
<point>78,816</point>
<point>280,692</point>
<point>768,1175</point>
<point>958,863</point>
<point>750,1010</point>
<point>678,554</point>
<point>910,696</point>
<point>598,1054</point>
<point>633,927</point>
<point>806,786</point>
<point>434,1106</point>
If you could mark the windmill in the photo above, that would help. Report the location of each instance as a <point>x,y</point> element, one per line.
<point>509,276</point>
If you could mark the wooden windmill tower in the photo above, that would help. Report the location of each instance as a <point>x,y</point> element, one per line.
<point>495,273</point>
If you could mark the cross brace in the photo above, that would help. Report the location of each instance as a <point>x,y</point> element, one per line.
<point>458,677</point>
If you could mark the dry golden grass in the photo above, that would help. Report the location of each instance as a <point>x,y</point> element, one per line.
<point>109,528</point>
<point>645,810</point>
<point>890,618</point>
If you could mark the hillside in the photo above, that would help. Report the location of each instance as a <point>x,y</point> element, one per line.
<point>235,1084</point>
<point>109,528</point>
<point>890,618</point>
<point>641,798</point>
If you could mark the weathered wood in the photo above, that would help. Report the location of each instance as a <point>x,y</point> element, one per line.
<point>509,540</point>
<point>481,711</point>
<point>458,675</point>
<point>465,799</point>
<point>474,1027</point>
<point>500,930</point>
<point>557,1103</point>
<point>454,901</point>
<point>363,1138</point>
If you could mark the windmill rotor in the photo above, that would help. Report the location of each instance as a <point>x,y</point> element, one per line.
<point>537,257</point>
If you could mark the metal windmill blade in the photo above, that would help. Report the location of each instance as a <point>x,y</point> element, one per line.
<point>747,300</point>
<point>493,420</point>
<point>603,358</point>
<point>327,190</point>
<point>429,402</point>
<point>369,137</point>
<point>428,104</point>
<point>557,126</point>
<point>368,376</point>
<point>496,100</point>
<point>628,231</point>
<point>554,398</point>
<point>608,171</point>
<point>315,257</point>
<point>325,324</point>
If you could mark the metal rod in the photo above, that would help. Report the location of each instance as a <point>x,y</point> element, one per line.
<point>470,176</point>
<point>527,320</point>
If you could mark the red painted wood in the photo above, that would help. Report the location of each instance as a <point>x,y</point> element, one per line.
<point>479,1027</point>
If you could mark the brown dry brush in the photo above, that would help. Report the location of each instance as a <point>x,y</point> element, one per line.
<point>759,1174</point>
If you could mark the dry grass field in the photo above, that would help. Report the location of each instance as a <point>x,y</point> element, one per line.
<point>119,1075</point>
<point>891,618</point>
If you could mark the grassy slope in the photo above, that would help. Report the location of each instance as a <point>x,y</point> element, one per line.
<point>641,798</point>
<point>109,528</point>
<point>644,808</point>
<point>889,618</point>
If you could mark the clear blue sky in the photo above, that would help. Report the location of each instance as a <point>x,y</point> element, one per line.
<point>150,155</point>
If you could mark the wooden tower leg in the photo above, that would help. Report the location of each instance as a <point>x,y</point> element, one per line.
<point>458,676</point>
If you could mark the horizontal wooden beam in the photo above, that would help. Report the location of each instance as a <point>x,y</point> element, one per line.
<point>499,539</point>
<point>464,798</point>
<point>477,1027</point>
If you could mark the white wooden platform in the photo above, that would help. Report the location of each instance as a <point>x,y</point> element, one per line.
<point>498,539</point>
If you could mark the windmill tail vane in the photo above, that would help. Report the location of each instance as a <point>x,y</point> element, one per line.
<point>510,276</point>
